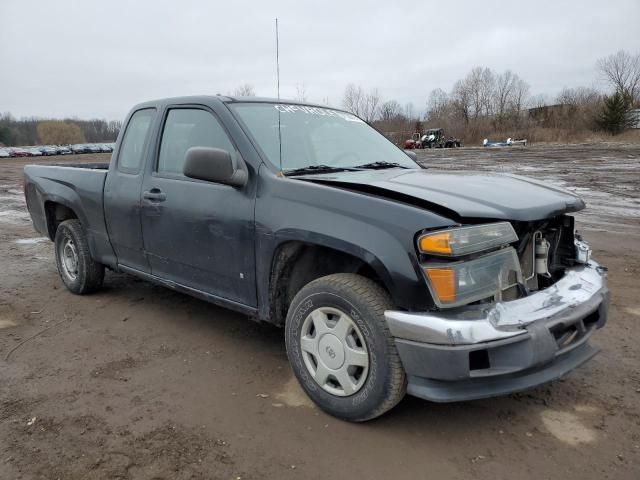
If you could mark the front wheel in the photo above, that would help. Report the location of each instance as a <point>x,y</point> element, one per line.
<point>340,348</point>
<point>79,272</point>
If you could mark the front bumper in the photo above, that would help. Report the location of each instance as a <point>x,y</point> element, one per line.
<point>487,350</point>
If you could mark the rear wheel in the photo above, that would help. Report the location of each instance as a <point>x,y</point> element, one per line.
<point>79,272</point>
<point>340,348</point>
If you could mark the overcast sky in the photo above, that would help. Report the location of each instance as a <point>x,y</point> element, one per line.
<point>93,59</point>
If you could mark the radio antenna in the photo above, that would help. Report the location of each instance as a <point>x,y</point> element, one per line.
<point>278,80</point>
<point>278,58</point>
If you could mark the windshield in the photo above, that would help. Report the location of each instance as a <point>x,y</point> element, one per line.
<point>316,136</point>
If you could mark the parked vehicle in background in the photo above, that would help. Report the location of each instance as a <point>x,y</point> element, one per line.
<point>93,148</point>
<point>432,138</point>
<point>63,150</point>
<point>4,153</point>
<point>388,278</point>
<point>48,151</point>
<point>105,148</point>
<point>34,152</point>
<point>435,138</point>
<point>19,152</point>
<point>79,148</point>
<point>519,141</point>
<point>493,143</point>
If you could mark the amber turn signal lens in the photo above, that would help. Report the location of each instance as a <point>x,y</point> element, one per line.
<point>443,282</point>
<point>436,243</point>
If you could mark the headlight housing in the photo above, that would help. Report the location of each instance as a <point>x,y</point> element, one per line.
<point>460,282</point>
<point>465,240</point>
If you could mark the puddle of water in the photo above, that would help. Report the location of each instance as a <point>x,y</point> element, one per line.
<point>588,409</point>
<point>6,324</point>
<point>14,217</point>
<point>567,427</point>
<point>31,241</point>
<point>293,395</point>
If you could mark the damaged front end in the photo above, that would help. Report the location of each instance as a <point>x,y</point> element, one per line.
<point>512,312</point>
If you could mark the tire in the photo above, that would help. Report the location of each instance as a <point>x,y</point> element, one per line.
<point>345,297</point>
<point>80,273</point>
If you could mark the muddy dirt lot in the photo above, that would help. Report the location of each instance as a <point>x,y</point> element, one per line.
<point>141,382</point>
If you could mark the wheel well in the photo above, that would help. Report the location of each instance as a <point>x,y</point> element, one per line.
<point>56,214</point>
<point>295,264</point>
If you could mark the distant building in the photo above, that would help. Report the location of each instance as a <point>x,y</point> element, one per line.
<point>551,116</point>
<point>635,117</point>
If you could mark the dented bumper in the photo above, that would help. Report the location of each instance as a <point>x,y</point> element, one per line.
<point>483,351</point>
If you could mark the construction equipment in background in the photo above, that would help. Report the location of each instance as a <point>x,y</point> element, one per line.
<point>432,138</point>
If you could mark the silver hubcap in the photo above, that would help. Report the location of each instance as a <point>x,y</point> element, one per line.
<point>69,259</point>
<point>334,351</point>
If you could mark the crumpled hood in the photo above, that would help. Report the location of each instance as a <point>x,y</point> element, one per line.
<point>465,194</point>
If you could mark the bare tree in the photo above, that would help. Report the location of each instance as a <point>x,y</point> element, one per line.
<point>409,111</point>
<point>622,71</point>
<point>353,100</point>
<point>371,105</point>
<point>539,101</point>
<point>364,105</point>
<point>461,100</point>
<point>520,94</point>
<point>390,110</point>
<point>245,90</point>
<point>580,107</point>
<point>579,96</point>
<point>301,92</point>
<point>504,92</point>
<point>509,97</point>
<point>437,104</point>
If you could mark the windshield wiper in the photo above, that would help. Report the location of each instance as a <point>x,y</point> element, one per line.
<point>316,169</point>
<point>380,165</point>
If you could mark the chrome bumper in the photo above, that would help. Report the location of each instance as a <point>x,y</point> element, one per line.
<point>503,319</point>
<point>489,350</point>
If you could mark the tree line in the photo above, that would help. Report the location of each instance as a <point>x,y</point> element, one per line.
<point>486,102</point>
<point>37,131</point>
<point>481,104</point>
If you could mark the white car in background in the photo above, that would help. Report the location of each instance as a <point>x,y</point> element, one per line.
<point>34,152</point>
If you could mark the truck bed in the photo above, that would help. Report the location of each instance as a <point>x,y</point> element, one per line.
<point>91,166</point>
<point>78,187</point>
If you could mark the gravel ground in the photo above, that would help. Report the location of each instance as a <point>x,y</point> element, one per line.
<point>141,382</point>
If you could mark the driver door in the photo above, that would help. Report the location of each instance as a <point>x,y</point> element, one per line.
<point>196,233</point>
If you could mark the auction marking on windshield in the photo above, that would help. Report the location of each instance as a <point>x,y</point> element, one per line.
<point>317,111</point>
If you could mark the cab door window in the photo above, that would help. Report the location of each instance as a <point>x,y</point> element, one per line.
<point>185,128</point>
<point>134,140</point>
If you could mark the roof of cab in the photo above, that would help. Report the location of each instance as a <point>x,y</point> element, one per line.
<point>224,99</point>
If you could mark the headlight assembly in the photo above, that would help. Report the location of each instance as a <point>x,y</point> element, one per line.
<point>465,240</point>
<point>459,283</point>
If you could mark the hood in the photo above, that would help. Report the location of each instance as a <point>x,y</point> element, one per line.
<point>460,194</point>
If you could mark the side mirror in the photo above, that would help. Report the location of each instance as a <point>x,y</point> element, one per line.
<point>215,165</point>
<point>412,155</point>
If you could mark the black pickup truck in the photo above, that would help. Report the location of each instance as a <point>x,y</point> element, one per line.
<point>387,277</point>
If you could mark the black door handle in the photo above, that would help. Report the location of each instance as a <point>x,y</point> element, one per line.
<point>154,195</point>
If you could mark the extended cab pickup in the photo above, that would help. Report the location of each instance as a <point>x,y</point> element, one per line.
<point>388,277</point>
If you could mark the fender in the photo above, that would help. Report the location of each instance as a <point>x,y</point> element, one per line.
<point>380,232</point>
<point>49,187</point>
